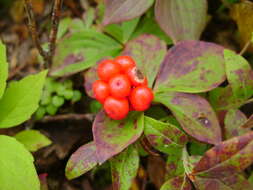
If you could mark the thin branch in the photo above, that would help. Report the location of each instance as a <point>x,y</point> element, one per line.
<point>246,46</point>
<point>63,117</point>
<point>33,29</point>
<point>54,30</point>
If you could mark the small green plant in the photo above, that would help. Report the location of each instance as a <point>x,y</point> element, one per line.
<point>54,95</point>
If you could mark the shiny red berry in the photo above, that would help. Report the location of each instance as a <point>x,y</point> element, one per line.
<point>126,62</point>
<point>107,69</point>
<point>119,86</point>
<point>136,77</point>
<point>116,109</point>
<point>141,98</point>
<point>100,90</point>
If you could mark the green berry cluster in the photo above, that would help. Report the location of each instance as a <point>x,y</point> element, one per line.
<point>54,95</point>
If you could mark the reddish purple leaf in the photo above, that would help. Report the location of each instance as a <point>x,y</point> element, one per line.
<point>90,76</point>
<point>117,11</point>
<point>194,114</point>
<point>231,182</point>
<point>191,66</point>
<point>81,161</point>
<point>182,20</point>
<point>233,123</point>
<point>231,156</point>
<point>111,136</point>
<point>148,51</point>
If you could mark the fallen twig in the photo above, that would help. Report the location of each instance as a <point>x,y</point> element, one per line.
<point>46,119</point>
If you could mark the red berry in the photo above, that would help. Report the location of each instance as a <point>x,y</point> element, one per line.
<point>136,77</point>
<point>107,69</point>
<point>116,109</point>
<point>126,62</point>
<point>119,86</point>
<point>141,98</point>
<point>100,90</point>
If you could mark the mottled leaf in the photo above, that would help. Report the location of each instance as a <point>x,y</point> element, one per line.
<point>182,20</point>
<point>81,50</point>
<point>3,68</point>
<point>194,114</point>
<point>177,183</point>
<point>239,75</point>
<point>81,161</point>
<point>21,100</point>
<point>17,171</point>
<point>148,51</point>
<point>222,98</point>
<point>231,156</point>
<point>33,140</point>
<point>111,136</point>
<point>231,182</point>
<point>163,135</point>
<point>117,11</point>
<point>191,66</point>
<point>124,168</point>
<point>234,120</point>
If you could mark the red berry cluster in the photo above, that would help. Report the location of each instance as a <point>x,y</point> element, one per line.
<point>121,87</point>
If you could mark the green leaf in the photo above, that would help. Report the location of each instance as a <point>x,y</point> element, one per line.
<point>81,50</point>
<point>163,136</point>
<point>198,120</point>
<point>148,25</point>
<point>33,140</point>
<point>81,161</point>
<point>3,68</point>
<point>117,11</point>
<point>124,168</point>
<point>191,66</point>
<point>177,183</point>
<point>122,32</point>
<point>111,136</point>
<point>239,75</point>
<point>182,20</point>
<point>17,171</point>
<point>21,100</point>
<point>148,51</point>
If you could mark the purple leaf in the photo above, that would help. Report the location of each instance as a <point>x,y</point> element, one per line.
<point>231,156</point>
<point>90,76</point>
<point>182,20</point>
<point>194,114</point>
<point>191,66</point>
<point>81,161</point>
<point>148,51</point>
<point>111,136</point>
<point>117,11</point>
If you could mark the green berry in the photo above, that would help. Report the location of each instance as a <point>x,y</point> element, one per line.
<point>58,101</point>
<point>41,111</point>
<point>51,109</point>
<point>68,94</point>
<point>60,89</point>
<point>77,95</point>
